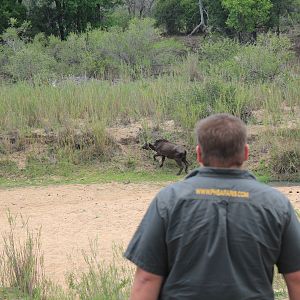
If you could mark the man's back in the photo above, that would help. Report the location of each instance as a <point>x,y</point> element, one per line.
<point>218,234</point>
<point>222,236</point>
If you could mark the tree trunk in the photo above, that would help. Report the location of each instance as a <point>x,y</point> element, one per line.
<point>201,25</point>
<point>278,22</point>
<point>60,19</point>
<point>254,36</point>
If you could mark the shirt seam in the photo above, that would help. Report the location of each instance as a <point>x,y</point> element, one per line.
<point>151,269</point>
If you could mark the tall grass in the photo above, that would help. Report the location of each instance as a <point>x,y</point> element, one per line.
<point>102,281</point>
<point>22,262</point>
<point>26,107</point>
<point>22,272</point>
<point>223,76</point>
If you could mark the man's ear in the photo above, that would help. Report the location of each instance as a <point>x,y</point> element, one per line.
<point>199,154</point>
<point>246,152</point>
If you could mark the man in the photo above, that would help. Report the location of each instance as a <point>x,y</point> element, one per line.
<point>217,234</point>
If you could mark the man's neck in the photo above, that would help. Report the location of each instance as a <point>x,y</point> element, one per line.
<point>224,167</point>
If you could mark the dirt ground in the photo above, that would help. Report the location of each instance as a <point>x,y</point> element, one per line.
<point>73,215</point>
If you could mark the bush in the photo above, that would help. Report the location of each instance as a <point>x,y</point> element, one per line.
<point>201,100</point>
<point>30,64</point>
<point>72,55</point>
<point>285,161</point>
<point>139,47</point>
<point>132,52</point>
<point>262,62</point>
<point>82,145</point>
<point>119,18</point>
<point>8,168</point>
<point>253,64</point>
<point>217,51</point>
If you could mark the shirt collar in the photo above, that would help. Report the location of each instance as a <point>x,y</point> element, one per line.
<point>221,172</point>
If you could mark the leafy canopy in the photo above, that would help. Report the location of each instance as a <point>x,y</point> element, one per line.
<point>247,15</point>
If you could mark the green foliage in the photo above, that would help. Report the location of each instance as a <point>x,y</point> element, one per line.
<point>63,17</point>
<point>199,101</point>
<point>119,18</point>
<point>224,76</point>
<point>177,15</point>
<point>131,53</point>
<point>278,45</point>
<point>85,144</point>
<point>286,161</point>
<point>14,39</point>
<point>252,64</point>
<point>227,16</point>
<point>247,15</point>
<point>11,9</point>
<point>216,51</point>
<point>265,61</point>
<point>281,9</point>
<point>30,63</point>
<point>22,263</point>
<point>217,15</point>
<point>102,281</point>
<point>8,168</point>
<point>71,55</point>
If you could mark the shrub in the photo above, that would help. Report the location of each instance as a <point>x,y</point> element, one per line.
<point>72,55</point>
<point>86,144</point>
<point>8,168</point>
<point>135,50</point>
<point>252,64</point>
<point>30,64</point>
<point>262,62</point>
<point>201,100</point>
<point>217,51</point>
<point>285,161</point>
<point>120,18</point>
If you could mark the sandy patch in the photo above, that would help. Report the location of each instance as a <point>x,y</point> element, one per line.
<point>73,215</point>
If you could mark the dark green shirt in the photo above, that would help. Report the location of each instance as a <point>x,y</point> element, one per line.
<point>217,235</point>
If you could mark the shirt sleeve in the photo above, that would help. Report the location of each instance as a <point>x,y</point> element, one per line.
<point>147,249</point>
<point>289,258</point>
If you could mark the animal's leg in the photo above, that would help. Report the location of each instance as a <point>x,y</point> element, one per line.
<point>186,164</point>
<point>180,164</point>
<point>162,161</point>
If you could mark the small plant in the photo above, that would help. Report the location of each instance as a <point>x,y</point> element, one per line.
<point>22,261</point>
<point>102,281</point>
<point>130,163</point>
<point>8,168</point>
<point>285,161</point>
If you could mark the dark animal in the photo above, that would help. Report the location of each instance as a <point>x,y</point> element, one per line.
<point>170,150</point>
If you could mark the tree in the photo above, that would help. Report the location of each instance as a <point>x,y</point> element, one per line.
<point>216,15</point>
<point>11,9</point>
<point>177,15</point>
<point>202,24</point>
<point>279,9</point>
<point>139,8</point>
<point>60,17</point>
<point>245,16</point>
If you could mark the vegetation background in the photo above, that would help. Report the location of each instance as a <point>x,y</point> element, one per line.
<point>73,73</point>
